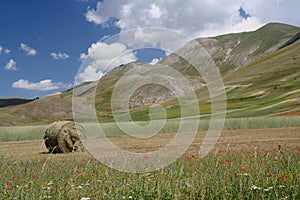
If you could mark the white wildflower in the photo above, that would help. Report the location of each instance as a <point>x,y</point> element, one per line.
<point>187,184</point>
<point>254,187</point>
<point>284,198</point>
<point>85,198</point>
<point>268,189</point>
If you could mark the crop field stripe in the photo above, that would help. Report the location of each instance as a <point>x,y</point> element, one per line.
<point>18,133</point>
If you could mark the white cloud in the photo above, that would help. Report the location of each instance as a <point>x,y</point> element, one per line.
<point>11,65</point>
<point>155,12</point>
<point>154,61</point>
<point>4,50</point>
<point>30,51</point>
<point>102,57</point>
<point>59,55</point>
<point>274,10</point>
<point>43,85</point>
<point>249,24</point>
<point>194,17</point>
<point>90,73</point>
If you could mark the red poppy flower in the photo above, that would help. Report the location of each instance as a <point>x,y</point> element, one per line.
<point>282,177</point>
<point>36,177</point>
<point>270,173</point>
<point>243,168</point>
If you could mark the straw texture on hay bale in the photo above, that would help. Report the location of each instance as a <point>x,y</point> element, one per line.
<point>64,137</point>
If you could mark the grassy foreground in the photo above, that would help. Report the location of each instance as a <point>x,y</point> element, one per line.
<point>245,164</point>
<point>258,173</point>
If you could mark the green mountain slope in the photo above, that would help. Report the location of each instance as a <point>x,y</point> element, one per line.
<point>267,86</point>
<point>259,79</point>
<point>232,51</point>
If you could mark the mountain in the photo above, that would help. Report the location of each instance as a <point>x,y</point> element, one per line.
<point>260,70</point>
<point>43,110</point>
<point>269,85</point>
<point>13,102</point>
<point>232,51</point>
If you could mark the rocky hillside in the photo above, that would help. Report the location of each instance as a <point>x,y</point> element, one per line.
<point>232,51</point>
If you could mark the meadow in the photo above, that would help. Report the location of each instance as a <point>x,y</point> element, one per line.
<point>31,132</point>
<point>246,163</point>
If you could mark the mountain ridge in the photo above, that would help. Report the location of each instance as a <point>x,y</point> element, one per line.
<point>233,54</point>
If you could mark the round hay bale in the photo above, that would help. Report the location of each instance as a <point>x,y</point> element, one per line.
<point>64,137</point>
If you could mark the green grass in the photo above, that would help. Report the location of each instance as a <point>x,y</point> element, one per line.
<point>17,133</point>
<point>258,173</point>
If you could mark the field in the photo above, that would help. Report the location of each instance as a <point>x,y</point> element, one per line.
<point>260,163</point>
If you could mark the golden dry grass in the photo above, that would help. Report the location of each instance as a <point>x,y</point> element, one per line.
<point>249,138</point>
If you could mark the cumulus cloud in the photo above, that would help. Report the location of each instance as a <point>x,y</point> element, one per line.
<point>29,51</point>
<point>193,17</point>
<point>249,24</point>
<point>11,65</point>
<point>154,61</point>
<point>4,50</point>
<point>89,74</point>
<point>43,85</point>
<point>274,10</point>
<point>102,57</point>
<point>59,55</point>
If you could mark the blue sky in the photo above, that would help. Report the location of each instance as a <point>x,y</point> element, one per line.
<point>43,43</point>
<point>47,27</point>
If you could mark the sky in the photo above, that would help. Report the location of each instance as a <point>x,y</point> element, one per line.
<point>46,45</point>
